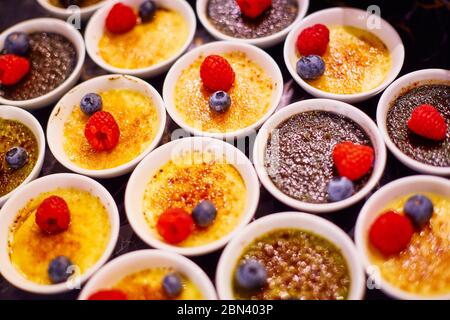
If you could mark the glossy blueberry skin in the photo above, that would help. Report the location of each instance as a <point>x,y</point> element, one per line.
<point>204,213</point>
<point>339,189</point>
<point>219,101</point>
<point>310,67</point>
<point>147,10</point>
<point>58,269</point>
<point>91,103</point>
<point>419,209</point>
<point>172,285</point>
<point>251,275</point>
<point>16,157</point>
<point>17,43</point>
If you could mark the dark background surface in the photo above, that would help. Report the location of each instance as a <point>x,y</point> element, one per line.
<point>423,27</point>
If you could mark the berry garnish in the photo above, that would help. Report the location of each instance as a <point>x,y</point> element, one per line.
<point>12,69</point>
<point>59,269</point>
<point>313,40</point>
<point>53,215</point>
<point>204,213</point>
<point>219,101</point>
<point>120,19</point>
<point>102,131</point>
<point>172,285</point>
<point>147,10</point>
<point>339,189</point>
<point>352,160</point>
<point>419,209</point>
<point>253,8</point>
<point>251,275</point>
<point>16,157</point>
<point>310,67</point>
<point>216,73</point>
<point>91,103</point>
<point>175,225</point>
<point>112,294</point>
<point>17,43</point>
<point>391,233</point>
<point>426,121</point>
<point>68,3</point>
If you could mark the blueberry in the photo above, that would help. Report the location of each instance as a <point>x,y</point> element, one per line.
<point>251,275</point>
<point>419,209</point>
<point>204,213</point>
<point>91,103</point>
<point>172,285</point>
<point>220,101</point>
<point>339,189</point>
<point>16,157</point>
<point>59,269</point>
<point>147,10</point>
<point>310,67</point>
<point>68,3</point>
<point>17,43</point>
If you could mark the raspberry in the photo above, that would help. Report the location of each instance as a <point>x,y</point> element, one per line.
<point>313,40</point>
<point>426,121</point>
<point>102,131</point>
<point>120,19</point>
<point>12,69</point>
<point>53,215</point>
<point>175,225</point>
<point>391,233</point>
<point>352,160</point>
<point>108,295</point>
<point>216,73</point>
<point>253,8</point>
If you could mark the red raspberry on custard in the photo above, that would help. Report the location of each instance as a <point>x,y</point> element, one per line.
<point>12,69</point>
<point>253,8</point>
<point>175,225</point>
<point>112,294</point>
<point>352,160</point>
<point>120,19</point>
<point>53,215</point>
<point>102,131</point>
<point>428,122</point>
<point>216,73</point>
<point>313,40</point>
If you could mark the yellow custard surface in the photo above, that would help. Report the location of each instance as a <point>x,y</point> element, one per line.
<point>31,250</point>
<point>251,96</point>
<point>423,268</point>
<point>147,43</point>
<point>147,285</point>
<point>356,61</point>
<point>138,121</point>
<point>185,181</point>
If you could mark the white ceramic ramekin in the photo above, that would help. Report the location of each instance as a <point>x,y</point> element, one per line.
<point>397,88</point>
<point>255,54</point>
<point>26,118</point>
<point>319,105</point>
<point>136,261</point>
<point>376,206</point>
<point>291,220</point>
<point>19,199</point>
<point>263,42</point>
<point>55,26</point>
<point>65,13</point>
<point>140,177</point>
<point>349,17</point>
<point>95,29</point>
<point>63,109</point>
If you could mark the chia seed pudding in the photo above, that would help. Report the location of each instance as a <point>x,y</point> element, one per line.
<point>299,265</point>
<point>226,16</point>
<point>298,156</point>
<point>52,60</point>
<point>80,3</point>
<point>435,153</point>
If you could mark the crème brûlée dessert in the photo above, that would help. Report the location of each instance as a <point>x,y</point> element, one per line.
<point>137,121</point>
<point>194,199</point>
<point>420,263</point>
<point>130,42</point>
<point>58,229</point>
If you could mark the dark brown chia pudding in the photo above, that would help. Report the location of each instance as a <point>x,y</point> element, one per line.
<point>52,60</point>
<point>435,153</point>
<point>68,3</point>
<point>299,265</point>
<point>298,155</point>
<point>226,16</point>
